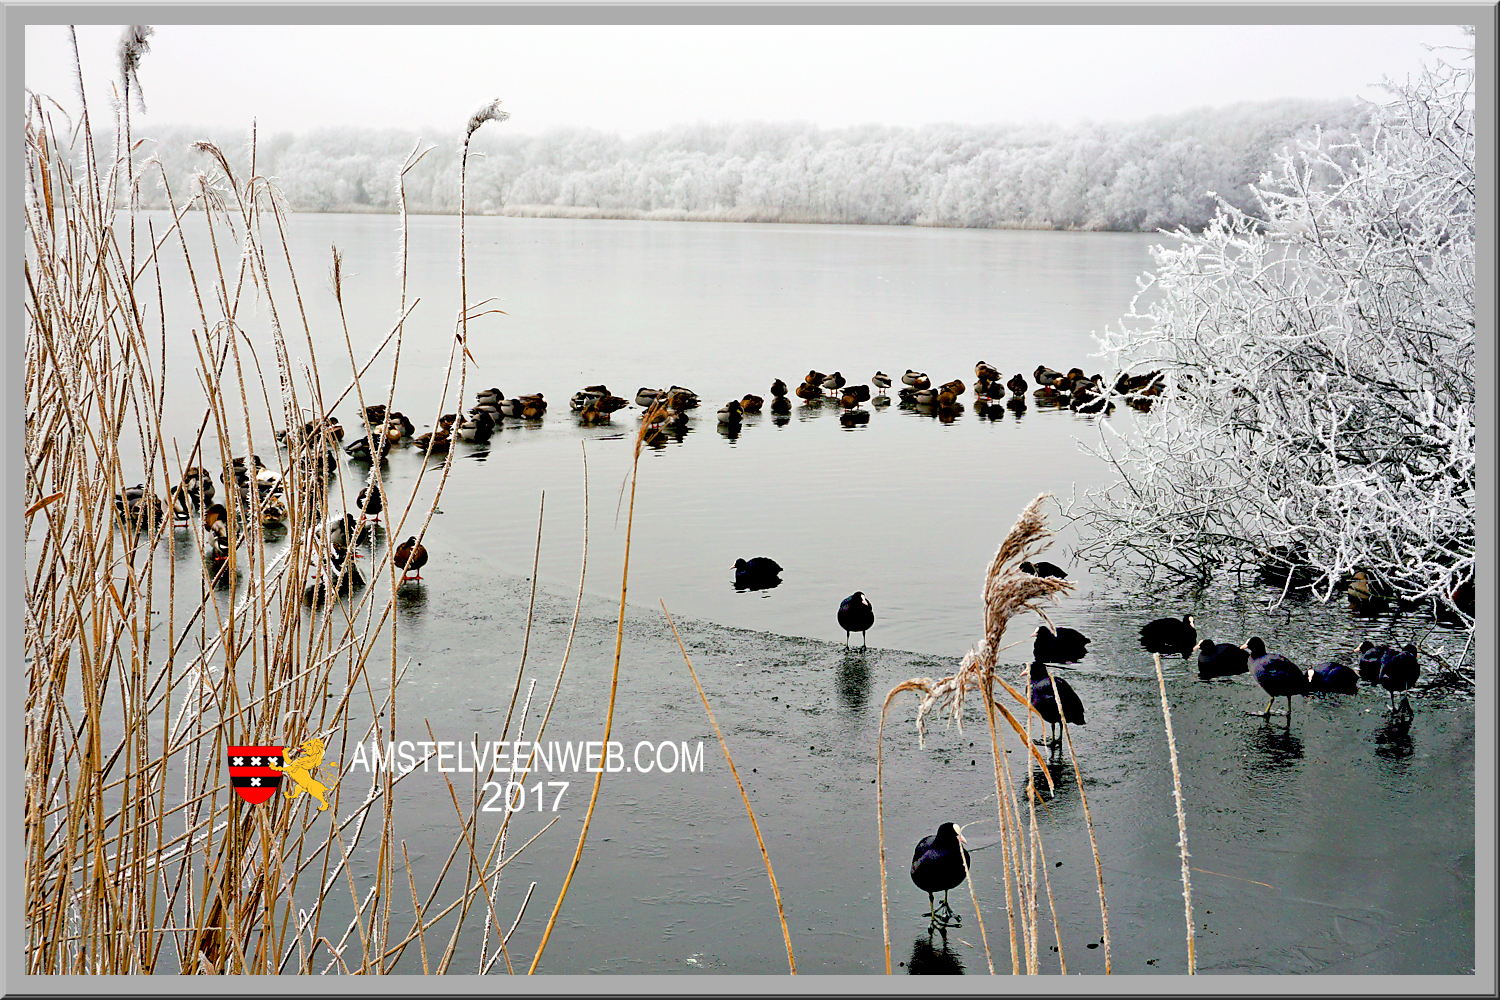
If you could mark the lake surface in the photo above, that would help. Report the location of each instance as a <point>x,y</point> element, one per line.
<point>1340,844</point>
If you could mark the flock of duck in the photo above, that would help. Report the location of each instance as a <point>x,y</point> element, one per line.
<point>258,492</point>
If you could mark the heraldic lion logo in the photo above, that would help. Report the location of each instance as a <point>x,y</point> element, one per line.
<point>299,767</point>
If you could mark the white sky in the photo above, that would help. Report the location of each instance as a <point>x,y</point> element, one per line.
<point>633,78</point>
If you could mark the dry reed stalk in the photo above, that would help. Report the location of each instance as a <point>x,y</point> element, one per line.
<point>122,874</point>
<point>1187,886</point>
<point>614,684</point>
<point>724,745</point>
<point>1008,591</point>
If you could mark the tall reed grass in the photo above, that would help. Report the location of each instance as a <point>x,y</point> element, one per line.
<point>141,671</point>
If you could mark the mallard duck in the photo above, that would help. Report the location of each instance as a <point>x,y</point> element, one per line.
<point>489,397</point>
<point>985,372</point>
<point>216,538</point>
<point>729,413</point>
<point>778,389</point>
<point>814,377</point>
<point>1170,635</point>
<point>1017,385</point>
<point>856,614</point>
<point>881,381</point>
<point>1278,676</point>
<point>433,442</point>
<point>941,863</point>
<point>751,404</point>
<point>410,557</point>
<point>1054,700</point>
<point>834,382</point>
<point>474,429</point>
<point>140,510</point>
<point>371,499</point>
<point>853,395</point>
<point>645,397</point>
<point>808,391</point>
<point>375,416</point>
<point>1046,376</point>
<point>956,387</point>
<point>916,379</point>
<point>1364,595</point>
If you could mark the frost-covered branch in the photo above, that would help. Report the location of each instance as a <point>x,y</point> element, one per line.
<point>1318,412</point>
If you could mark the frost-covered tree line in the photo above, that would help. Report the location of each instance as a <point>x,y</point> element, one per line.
<point>1143,175</point>
<point>1318,349</point>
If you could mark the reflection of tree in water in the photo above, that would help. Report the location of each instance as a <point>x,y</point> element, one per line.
<point>854,680</point>
<point>928,959</point>
<point>1393,742</point>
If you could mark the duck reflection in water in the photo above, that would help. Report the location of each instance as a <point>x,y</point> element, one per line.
<point>1279,748</point>
<point>1393,742</point>
<point>930,959</point>
<point>854,679</point>
<point>411,597</point>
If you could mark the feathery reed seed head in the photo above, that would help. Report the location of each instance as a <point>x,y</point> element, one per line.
<point>490,112</point>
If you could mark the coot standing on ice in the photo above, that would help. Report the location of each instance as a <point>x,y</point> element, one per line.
<point>1047,703</point>
<point>1221,659</point>
<point>938,866</point>
<point>1170,635</point>
<point>1277,675</point>
<point>856,614</point>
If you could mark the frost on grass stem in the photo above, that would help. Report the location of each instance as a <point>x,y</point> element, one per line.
<point>489,113</point>
<point>133,45</point>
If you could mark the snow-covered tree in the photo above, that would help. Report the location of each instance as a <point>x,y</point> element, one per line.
<point>1318,416</point>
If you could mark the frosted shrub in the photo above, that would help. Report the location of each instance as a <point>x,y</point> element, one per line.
<point>1319,409</point>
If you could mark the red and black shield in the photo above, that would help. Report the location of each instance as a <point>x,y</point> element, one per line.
<point>250,772</point>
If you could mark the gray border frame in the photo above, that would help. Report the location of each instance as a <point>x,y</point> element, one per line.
<point>12,42</point>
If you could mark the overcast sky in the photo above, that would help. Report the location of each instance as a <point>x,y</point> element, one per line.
<point>633,78</point>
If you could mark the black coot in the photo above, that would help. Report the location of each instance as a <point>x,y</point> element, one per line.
<point>1044,569</point>
<point>1333,678</point>
<point>1399,673</point>
<point>1066,646</point>
<point>1277,675</point>
<point>759,573</point>
<point>1371,659</point>
<point>1047,703</point>
<point>1221,659</point>
<point>1170,635</point>
<point>856,614</point>
<point>938,866</point>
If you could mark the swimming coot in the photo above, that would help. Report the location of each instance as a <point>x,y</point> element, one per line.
<point>1066,646</point>
<point>759,573</point>
<point>1044,569</point>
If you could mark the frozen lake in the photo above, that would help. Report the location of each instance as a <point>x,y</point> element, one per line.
<point>1341,844</point>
